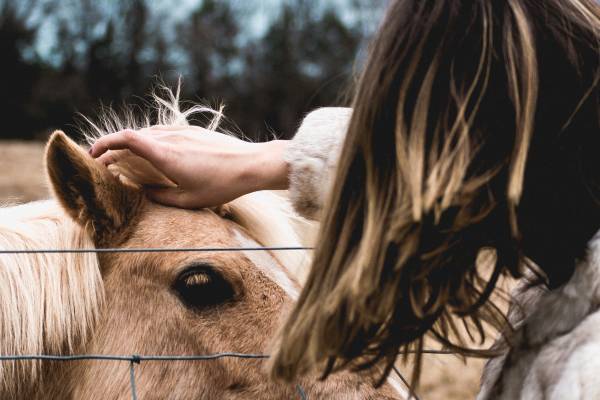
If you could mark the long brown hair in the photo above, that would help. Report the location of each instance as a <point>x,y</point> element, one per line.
<point>475,126</point>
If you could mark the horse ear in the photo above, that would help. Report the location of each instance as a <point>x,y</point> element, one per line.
<point>88,191</point>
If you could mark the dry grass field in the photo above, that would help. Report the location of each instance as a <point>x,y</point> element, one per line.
<point>22,179</point>
<point>22,172</point>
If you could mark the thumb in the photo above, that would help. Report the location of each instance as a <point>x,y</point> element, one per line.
<point>169,197</point>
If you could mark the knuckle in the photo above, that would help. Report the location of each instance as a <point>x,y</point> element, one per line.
<point>130,134</point>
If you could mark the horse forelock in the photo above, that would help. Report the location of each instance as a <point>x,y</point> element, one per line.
<point>49,302</point>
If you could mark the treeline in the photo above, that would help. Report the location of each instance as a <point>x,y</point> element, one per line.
<point>60,58</point>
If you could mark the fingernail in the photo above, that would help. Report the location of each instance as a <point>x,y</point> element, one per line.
<point>91,150</point>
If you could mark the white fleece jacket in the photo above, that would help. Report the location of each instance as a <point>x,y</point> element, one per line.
<point>313,156</point>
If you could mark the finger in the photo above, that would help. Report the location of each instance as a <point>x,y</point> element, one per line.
<point>138,144</point>
<point>107,158</point>
<point>168,197</point>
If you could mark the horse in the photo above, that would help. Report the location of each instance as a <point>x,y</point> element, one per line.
<point>148,303</point>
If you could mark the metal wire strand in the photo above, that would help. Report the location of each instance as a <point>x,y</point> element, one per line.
<point>154,250</point>
<point>301,392</point>
<point>132,380</point>
<point>412,394</point>
<point>137,359</point>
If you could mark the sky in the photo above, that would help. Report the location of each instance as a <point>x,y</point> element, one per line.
<point>256,14</point>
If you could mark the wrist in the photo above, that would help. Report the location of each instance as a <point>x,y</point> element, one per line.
<point>267,169</point>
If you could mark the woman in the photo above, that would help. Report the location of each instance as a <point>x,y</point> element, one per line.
<point>475,125</point>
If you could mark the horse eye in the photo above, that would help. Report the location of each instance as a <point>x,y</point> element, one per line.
<point>200,286</point>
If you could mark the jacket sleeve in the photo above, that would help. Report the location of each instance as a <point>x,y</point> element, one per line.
<point>312,157</point>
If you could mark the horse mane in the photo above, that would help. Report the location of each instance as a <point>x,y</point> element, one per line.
<point>49,303</point>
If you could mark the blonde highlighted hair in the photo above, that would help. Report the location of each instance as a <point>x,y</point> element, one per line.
<point>472,129</point>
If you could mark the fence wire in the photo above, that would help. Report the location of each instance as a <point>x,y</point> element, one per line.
<point>138,359</point>
<point>154,250</point>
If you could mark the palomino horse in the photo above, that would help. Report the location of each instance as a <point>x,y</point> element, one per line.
<point>179,303</point>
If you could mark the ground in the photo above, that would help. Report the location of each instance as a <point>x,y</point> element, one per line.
<point>22,179</point>
<point>22,172</point>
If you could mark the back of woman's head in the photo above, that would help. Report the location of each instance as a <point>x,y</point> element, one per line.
<point>475,126</point>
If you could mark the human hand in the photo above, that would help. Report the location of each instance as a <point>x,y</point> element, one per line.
<point>208,168</point>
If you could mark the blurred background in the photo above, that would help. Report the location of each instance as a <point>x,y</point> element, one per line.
<point>268,61</point>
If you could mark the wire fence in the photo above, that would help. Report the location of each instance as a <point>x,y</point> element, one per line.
<point>134,359</point>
